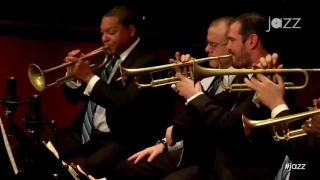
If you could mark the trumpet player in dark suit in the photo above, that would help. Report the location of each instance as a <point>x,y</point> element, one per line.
<point>233,155</point>
<point>116,120</point>
<point>224,150</point>
<point>161,161</point>
<point>302,151</point>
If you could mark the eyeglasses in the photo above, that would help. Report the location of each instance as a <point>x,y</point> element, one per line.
<point>215,45</point>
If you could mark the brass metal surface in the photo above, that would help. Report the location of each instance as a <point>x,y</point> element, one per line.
<point>280,125</point>
<point>189,69</point>
<point>37,76</point>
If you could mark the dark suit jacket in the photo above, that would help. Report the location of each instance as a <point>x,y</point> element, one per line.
<point>193,133</point>
<point>136,117</point>
<point>303,150</point>
<point>239,157</point>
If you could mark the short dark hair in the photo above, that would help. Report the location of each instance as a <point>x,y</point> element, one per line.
<point>252,23</point>
<point>124,14</point>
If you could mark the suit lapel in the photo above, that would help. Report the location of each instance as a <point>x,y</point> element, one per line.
<point>129,62</point>
<point>97,60</point>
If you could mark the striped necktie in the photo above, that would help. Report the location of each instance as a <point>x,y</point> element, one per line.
<point>284,170</point>
<point>88,118</point>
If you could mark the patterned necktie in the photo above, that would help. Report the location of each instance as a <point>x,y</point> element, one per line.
<point>284,170</point>
<point>109,67</point>
<point>88,118</point>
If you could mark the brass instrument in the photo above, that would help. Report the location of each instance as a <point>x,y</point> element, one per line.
<point>196,72</point>
<point>243,87</point>
<point>37,76</point>
<point>280,125</point>
<point>189,69</point>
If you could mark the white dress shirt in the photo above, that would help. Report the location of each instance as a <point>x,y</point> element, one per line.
<point>99,117</point>
<point>227,79</point>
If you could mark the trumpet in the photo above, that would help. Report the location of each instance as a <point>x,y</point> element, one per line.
<point>196,72</point>
<point>189,69</point>
<point>280,125</point>
<point>206,72</point>
<point>37,76</point>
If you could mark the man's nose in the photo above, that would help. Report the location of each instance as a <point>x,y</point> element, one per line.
<point>229,45</point>
<point>105,38</point>
<point>208,49</point>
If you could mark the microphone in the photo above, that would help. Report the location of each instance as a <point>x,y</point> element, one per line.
<point>10,100</point>
<point>34,115</point>
<point>34,121</point>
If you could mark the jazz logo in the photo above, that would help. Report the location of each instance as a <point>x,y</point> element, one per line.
<point>283,23</point>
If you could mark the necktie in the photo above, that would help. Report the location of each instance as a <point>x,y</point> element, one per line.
<point>214,84</point>
<point>108,69</point>
<point>88,118</point>
<point>284,170</point>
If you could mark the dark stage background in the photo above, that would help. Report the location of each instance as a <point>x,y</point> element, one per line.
<point>43,33</point>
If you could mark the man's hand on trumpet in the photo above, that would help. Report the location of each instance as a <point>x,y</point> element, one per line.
<point>81,69</point>
<point>269,93</point>
<point>181,58</point>
<point>268,62</point>
<point>186,86</point>
<point>312,126</point>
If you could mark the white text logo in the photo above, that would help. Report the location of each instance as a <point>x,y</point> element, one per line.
<point>283,23</point>
<point>290,166</point>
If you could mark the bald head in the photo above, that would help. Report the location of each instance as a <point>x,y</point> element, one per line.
<point>222,24</point>
<point>217,39</point>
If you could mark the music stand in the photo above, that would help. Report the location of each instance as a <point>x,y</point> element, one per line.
<point>9,170</point>
<point>40,163</point>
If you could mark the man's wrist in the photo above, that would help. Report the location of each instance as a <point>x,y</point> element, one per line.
<point>278,109</point>
<point>193,97</point>
<point>87,78</point>
<point>163,142</point>
<point>277,103</point>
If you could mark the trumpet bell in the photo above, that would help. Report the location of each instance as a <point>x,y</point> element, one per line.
<point>37,77</point>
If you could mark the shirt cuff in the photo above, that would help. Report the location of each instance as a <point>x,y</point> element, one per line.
<point>73,84</point>
<point>278,109</point>
<point>177,146</point>
<point>192,97</point>
<point>256,100</point>
<point>90,85</point>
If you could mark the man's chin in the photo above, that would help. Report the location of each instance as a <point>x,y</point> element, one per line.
<point>111,51</point>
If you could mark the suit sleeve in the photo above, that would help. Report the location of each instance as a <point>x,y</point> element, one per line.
<point>181,127</point>
<point>115,99</point>
<point>220,118</point>
<point>74,95</point>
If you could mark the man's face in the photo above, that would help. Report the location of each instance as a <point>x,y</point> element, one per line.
<point>238,49</point>
<point>216,44</point>
<point>115,35</point>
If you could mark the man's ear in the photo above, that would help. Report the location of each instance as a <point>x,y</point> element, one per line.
<point>253,41</point>
<point>132,30</point>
